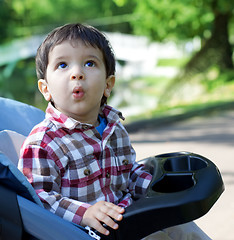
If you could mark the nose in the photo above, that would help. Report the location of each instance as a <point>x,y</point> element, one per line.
<point>77,74</point>
<point>78,77</point>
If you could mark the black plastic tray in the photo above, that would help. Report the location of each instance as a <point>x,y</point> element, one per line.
<point>184,187</point>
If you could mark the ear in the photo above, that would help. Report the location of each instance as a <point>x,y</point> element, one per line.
<point>44,89</point>
<point>110,82</point>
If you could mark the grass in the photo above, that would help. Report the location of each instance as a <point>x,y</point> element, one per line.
<point>218,91</point>
<point>163,111</point>
<point>172,62</point>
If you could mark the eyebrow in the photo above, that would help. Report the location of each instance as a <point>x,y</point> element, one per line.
<point>96,57</point>
<point>88,56</point>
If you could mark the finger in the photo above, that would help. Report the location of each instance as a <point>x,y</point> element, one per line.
<point>113,211</point>
<point>107,220</point>
<point>99,227</point>
<point>116,207</point>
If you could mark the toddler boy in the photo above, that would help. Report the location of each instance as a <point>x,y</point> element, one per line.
<point>79,159</point>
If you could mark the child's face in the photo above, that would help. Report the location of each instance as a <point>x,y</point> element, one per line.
<point>76,80</point>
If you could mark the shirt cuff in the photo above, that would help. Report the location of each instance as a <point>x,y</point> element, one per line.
<point>126,202</point>
<point>80,213</point>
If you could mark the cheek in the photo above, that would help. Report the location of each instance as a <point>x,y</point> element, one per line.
<point>98,85</point>
<point>59,93</point>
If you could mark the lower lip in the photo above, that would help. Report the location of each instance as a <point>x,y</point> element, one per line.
<point>78,95</point>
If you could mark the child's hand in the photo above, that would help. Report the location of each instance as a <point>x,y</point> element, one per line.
<point>102,212</point>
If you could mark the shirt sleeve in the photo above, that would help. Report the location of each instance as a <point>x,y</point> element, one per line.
<point>138,183</point>
<point>44,174</point>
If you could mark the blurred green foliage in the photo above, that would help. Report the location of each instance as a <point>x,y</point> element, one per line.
<point>179,19</point>
<point>161,20</point>
<point>28,17</point>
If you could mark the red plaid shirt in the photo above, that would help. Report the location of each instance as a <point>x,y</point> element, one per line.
<point>70,165</point>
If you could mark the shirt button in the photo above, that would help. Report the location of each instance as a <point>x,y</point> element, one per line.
<point>107,175</point>
<point>125,162</point>
<point>87,172</point>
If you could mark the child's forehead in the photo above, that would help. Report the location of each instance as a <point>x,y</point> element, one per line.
<point>66,44</point>
<point>66,48</point>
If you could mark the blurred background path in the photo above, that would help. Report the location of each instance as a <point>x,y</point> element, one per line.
<point>211,136</point>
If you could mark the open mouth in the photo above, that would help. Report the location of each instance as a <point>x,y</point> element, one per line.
<point>78,92</point>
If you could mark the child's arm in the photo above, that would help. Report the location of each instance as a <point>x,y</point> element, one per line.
<point>102,212</point>
<point>42,171</point>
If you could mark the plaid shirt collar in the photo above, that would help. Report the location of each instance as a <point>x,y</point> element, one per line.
<point>62,121</point>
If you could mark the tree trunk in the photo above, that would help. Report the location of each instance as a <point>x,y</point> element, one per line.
<point>216,51</point>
